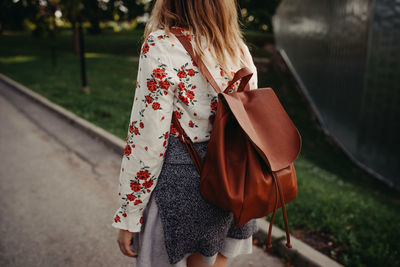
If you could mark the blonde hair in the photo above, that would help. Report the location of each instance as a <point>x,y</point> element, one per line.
<point>216,20</point>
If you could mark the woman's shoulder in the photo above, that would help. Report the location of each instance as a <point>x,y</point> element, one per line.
<point>163,36</point>
<point>159,41</point>
<point>156,37</point>
<point>165,45</point>
<point>167,37</point>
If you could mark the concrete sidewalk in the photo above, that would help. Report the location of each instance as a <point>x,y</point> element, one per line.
<point>59,192</point>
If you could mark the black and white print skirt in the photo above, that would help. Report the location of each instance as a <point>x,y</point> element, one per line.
<point>178,222</point>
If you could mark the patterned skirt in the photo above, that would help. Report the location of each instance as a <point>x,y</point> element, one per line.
<point>178,221</point>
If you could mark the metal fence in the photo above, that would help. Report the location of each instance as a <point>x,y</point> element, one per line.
<point>346,56</point>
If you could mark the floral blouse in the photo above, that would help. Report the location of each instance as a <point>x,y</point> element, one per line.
<point>168,81</point>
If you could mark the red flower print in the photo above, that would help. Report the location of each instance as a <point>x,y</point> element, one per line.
<point>173,130</point>
<point>166,135</point>
<point>194,87</point>
<point>137,201</point>
<point>195,138</point>
<point>191,124</point>
<point>181,86</point>
<point>117,219</point>
<point>179,28</point>
<point>141,220</point>
<point>164,143</point>
<point>164,84</point>
<point>182,74</point>
<point>183,99</point>
<point>162,118</point>
<point>124,214</point>
<point>159,73</point>
<point>191,72</point>
<point>143,175</point>
<point>136,131</point>
<point>156,105</point>
<point>230,86</point>
<point>131,197</point>
<point>177,114</point>
<point>148,184</point>
<point>128,150</point>
<point>131,128</point>
<point>149,99</point>
<point>190,94</point>
<point>136,186</point>
<point>145,48</point>
<point>141,124</point>
<point>152,86</point>
<point>146,148</point>
<point>214,105</point>
<point>160,37</point>
<point>153,44</point>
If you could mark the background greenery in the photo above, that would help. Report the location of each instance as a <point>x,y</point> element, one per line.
<point>340,210</point>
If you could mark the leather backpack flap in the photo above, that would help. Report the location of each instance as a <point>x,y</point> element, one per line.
<point>268,126</point>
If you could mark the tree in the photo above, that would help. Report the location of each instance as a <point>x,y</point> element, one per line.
<point>257,15</point>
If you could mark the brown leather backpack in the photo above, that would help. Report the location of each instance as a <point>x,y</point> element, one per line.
<point>248,168</point>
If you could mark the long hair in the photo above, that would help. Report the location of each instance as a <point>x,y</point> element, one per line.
<point>216,20</point>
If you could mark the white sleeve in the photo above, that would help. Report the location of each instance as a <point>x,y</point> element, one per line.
<point>147,134</point>
<point>254,79</point>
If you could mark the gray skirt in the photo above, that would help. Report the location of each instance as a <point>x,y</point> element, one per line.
<point>178,222</point>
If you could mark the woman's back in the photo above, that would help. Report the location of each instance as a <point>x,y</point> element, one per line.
<point>169,82</point>
<point>196,101</point>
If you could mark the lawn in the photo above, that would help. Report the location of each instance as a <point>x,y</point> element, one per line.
<point>342,211</point>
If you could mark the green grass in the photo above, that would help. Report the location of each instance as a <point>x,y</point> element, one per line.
<point>111,76</point>
<point>336,199</point>
<point>342,204</point>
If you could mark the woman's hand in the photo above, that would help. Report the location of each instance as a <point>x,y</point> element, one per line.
<point>124,241</point>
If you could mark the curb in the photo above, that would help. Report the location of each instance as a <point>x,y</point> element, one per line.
<point>301,254</point>
<point>109,139</point>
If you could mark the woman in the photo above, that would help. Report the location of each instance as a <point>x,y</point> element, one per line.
<point>163,219</point>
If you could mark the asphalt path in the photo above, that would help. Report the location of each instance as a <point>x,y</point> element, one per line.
<point>58,192</point>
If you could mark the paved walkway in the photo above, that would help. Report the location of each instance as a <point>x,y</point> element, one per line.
<point>58,192</point>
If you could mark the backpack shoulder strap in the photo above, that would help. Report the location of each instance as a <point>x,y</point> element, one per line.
<point>202,67</point>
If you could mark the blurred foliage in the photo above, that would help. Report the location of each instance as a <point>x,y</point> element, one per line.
<point>37,15</point>
<point>257,15</point>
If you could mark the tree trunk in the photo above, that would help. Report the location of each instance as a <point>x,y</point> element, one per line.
<point>75,37</point>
